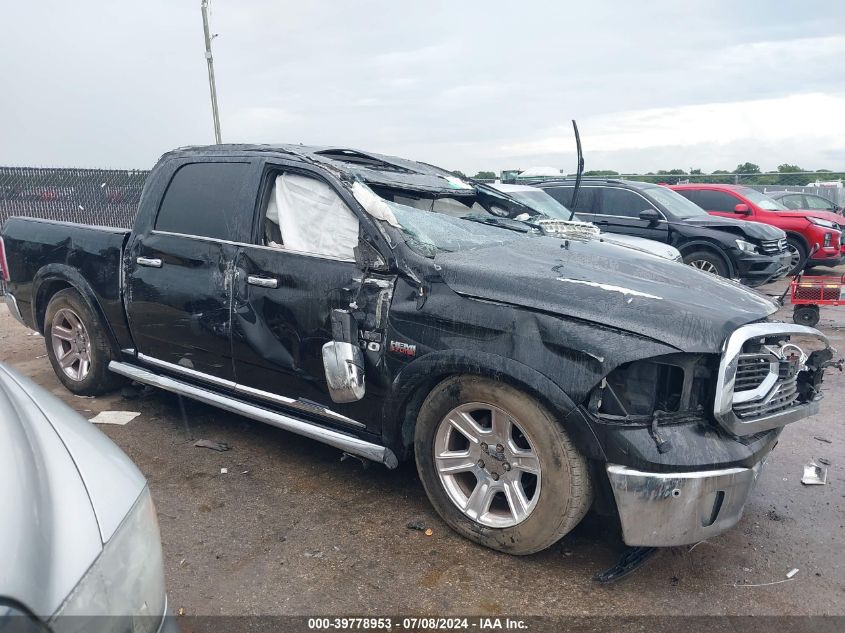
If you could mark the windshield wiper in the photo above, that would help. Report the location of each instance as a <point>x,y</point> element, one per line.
<point>506,223</point>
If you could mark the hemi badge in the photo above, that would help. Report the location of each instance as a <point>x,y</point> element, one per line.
<point>403,348</point>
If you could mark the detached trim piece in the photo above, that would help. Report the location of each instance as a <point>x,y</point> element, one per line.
<point>347,443</point>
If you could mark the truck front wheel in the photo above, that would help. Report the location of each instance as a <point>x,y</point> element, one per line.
<point>77,346</point>
<point>498,467</point>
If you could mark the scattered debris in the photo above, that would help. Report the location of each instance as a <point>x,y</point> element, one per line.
<point>765,584</point>
<point>775,516</point>
<point>631,560</point>
<point>675,581</point>
<point>181,611</point>
<point>814,475</point>
<point>224,471</point>
<point>823,460</point>
<point>215,446</point>
<point>822,439</point>
<point>416,525</point>
<point>244,472</point>
<point>792,572</point>
<point>313,553</point>
<point>696,545</point>
<point>115,417</point>
<point>429,532</point>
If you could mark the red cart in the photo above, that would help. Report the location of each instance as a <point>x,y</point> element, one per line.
<point>808,293</point>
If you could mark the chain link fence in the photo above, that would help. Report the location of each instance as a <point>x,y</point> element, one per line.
<point>827,184</point>
<point>104,197</point>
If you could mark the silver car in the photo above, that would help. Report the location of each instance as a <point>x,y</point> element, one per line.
<point>80,540</point>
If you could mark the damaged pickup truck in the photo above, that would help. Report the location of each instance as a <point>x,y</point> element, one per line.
<point>396,312</point>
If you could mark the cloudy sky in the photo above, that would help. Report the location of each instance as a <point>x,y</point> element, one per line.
<point>465,85</point>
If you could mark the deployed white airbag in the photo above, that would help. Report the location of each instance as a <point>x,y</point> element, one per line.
<point>312,217</point>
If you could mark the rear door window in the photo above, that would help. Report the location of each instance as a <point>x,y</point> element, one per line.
<point>816,202</point>
<point>205,199</point>
<point>585,202</point>
<point>712,200</point>
<point>616,201</point>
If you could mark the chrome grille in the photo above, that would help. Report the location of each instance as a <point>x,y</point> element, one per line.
<point>773,247</point>
<point>752,370</point>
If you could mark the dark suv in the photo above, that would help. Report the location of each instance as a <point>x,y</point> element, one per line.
<point>753,253</point>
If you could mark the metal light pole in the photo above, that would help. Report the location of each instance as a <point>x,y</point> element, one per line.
<point>210,60</point>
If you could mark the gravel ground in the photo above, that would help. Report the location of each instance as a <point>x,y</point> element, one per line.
<point>292,529</point>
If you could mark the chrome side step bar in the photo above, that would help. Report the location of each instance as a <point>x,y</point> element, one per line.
<point>342,441</point>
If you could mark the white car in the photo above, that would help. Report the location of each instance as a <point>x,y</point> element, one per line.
<point>543,203</point>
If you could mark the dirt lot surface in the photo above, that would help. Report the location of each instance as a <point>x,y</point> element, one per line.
<point>292,529</point>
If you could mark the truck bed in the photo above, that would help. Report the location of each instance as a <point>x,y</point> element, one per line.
<point>43,255</point>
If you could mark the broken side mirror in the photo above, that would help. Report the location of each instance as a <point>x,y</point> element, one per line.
<point>344,366</point>
<point>650,215</point>
<point>368,258</point>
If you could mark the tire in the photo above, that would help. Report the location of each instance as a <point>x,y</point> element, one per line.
<point>806,315</point>
<point>552,502</point>
<point>799,254</point>
<point>66,313</point>
<point>707,261</point>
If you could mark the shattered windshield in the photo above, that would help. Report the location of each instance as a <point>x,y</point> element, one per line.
<point>430,233</point>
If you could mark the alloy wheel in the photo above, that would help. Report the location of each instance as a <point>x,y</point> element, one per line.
<point>487,465</point>
<point>703,264</point>
<point>71,344</point>
<point>794,257</point>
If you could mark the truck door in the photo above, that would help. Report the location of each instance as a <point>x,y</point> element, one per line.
<point>299,268</point>
<point>179,270</point>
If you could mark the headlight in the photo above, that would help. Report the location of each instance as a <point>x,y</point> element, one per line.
<point>748,247</point>
<point>825,223</point>
<point>123,590</point>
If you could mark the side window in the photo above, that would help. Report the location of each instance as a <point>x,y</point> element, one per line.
<point>306,215</point>
<point>586,197</point>
<point>616,201</point>
<point>711,200</point>
<point>792,202</point>
<point>817,202</point>
<point>690,194</point>
<point>203,199</point>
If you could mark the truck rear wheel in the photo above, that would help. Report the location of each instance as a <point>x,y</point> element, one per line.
<point>77,345</point>
<point>498,467</point>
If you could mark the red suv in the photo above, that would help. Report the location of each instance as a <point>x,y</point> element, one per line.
<point>804,228</point>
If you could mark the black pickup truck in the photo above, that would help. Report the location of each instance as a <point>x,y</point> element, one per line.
<point>394,311</point>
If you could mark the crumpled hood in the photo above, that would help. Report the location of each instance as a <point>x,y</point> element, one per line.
<point>610,285</point>
<point>54,510</point>
<point>754,230</point>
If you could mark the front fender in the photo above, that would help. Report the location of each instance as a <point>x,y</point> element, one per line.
<point>413,383</point>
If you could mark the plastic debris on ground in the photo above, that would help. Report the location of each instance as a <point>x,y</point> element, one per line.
<point>224,471</point>
<point>814,475</point>
<point>115,417</point>
<point>416,525</point>
<point>215,446</point>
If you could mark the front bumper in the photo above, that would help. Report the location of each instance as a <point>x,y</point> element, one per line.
<point>755,270</point>
<point>669,509</point>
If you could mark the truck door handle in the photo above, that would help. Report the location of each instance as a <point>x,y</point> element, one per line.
<point>148,261</point>
<point>264,282</point>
